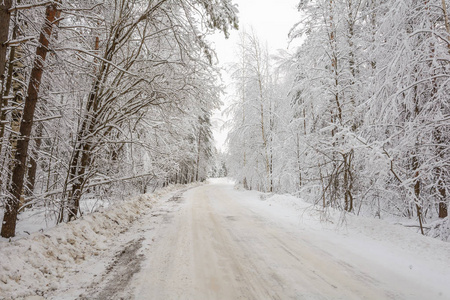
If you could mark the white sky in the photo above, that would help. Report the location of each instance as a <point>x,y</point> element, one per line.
<point>271,20</point>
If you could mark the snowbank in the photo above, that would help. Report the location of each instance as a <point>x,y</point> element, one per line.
<point>402,249</point>
<point>35,264</point>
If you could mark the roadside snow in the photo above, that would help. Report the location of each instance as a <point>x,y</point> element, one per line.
<point>224,243</point>
<point>53,259</point>
<point>91,257</point>
<point>43,218</point>
<point>423,259</point>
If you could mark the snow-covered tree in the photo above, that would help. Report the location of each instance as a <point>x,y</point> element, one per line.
<point>250,136</point>
<point>126,85</point>
<point>365,125</point>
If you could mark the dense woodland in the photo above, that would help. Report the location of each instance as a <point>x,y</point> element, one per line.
<point>358,119</point>
<point>104,97</point>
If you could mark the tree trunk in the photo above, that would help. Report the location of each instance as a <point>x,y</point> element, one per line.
<point>299,167</point>
<point>18,91</point>
<point>4,101</point>
<point>81,155</point>
<point>31,175</point>
<point>348,181</point>
<point>198,152</point>
<point>5,86</point>
<point>447,24</point>
<point>415,166</point>
<point>15,190</point>
<point>441,141</point>
<point>77,187</point>
<point>352,59</point>
<point>79,162</point>
<point>443,210</point>
<point>5,18</point>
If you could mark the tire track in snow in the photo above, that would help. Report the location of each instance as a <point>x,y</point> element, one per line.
<point>126,263</point>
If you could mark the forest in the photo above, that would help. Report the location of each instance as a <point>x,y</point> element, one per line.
<point>107,98</point>
<point>104,98</point>
<point>358,118</point>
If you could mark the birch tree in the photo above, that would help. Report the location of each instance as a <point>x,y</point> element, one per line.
<point>253,112</point>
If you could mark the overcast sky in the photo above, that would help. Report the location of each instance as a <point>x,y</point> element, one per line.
<point>271,20</point>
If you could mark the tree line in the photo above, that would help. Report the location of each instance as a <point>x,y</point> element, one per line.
<point>358,118</point>
<point>96,95</point>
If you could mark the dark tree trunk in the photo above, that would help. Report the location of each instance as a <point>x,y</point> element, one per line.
<point>12,204</point>
<point>82,156</point>
<point>442,187</point>
<point>443,210</point>
<point>442,198</point>
<point>5,18</point>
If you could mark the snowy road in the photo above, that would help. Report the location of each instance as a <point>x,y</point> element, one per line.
<point>214,244</point>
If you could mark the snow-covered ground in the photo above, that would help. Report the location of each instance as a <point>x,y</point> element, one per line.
<point>216,242</point>
<point>422,261</point>
<point>42,218</point>
<point>70,256</point>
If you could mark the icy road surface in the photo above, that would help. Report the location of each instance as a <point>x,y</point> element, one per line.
<point>214,243</point>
